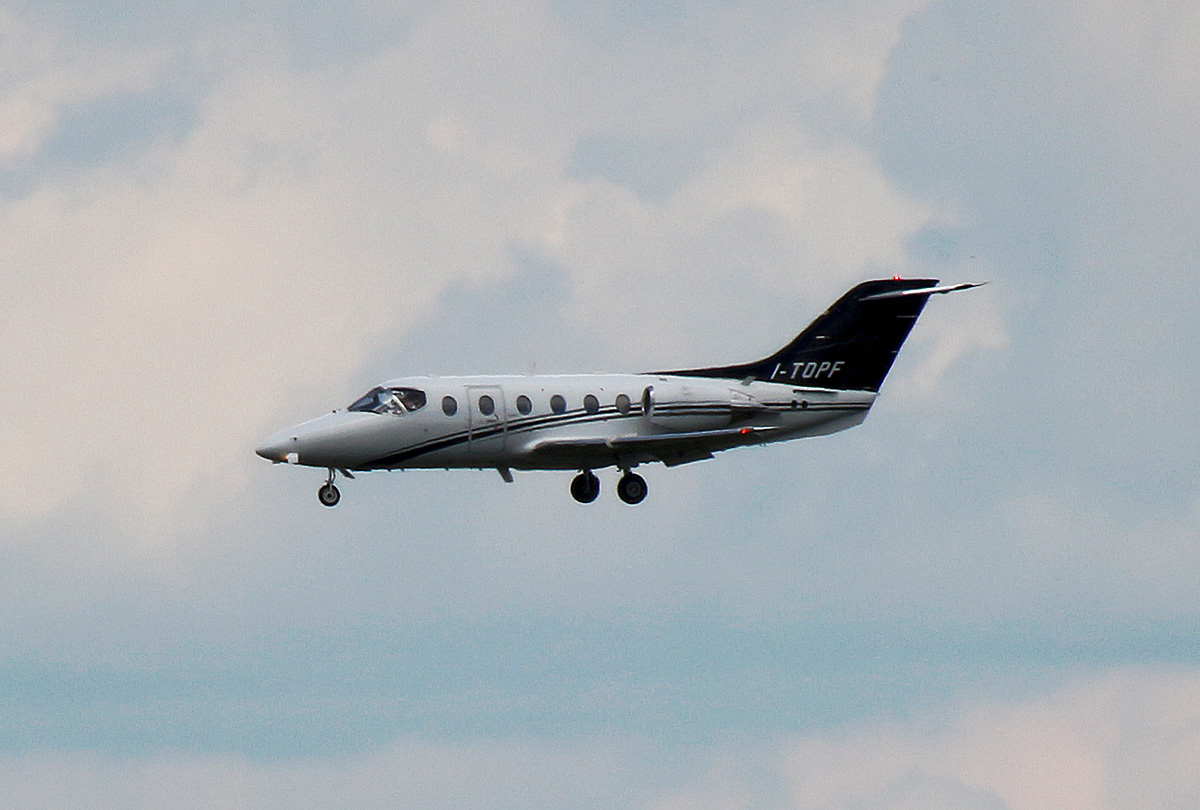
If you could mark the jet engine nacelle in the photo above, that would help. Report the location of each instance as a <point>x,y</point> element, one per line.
<point>682,407</point>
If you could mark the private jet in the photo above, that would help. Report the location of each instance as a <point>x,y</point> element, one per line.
<point>822,382</point>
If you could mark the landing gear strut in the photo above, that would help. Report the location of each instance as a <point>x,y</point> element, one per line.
<point>328,494</point>
<point>585,487</point>
<point>632,488</point>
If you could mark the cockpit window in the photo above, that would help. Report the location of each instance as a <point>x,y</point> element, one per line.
<point>413,399</point>
<point>390,400</point>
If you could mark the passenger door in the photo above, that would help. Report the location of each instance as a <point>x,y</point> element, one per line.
<point>485,418</point>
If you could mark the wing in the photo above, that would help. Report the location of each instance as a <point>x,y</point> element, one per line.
<point>672,449</point>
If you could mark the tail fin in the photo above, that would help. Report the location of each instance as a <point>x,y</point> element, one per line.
<point>851,346</point>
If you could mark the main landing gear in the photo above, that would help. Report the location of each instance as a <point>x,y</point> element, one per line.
<point>585,487</point>
<point>632,488</point>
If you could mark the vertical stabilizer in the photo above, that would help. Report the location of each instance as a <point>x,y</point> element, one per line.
<point>851,346</point>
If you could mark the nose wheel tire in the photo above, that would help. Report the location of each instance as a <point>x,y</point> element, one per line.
<point>328,495</point>
<point>632,488</point>
<point>585,487</point>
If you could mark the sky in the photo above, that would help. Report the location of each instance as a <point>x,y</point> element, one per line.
<point>218,219</point>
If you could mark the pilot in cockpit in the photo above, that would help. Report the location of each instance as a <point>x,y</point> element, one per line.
<point>390,400</point>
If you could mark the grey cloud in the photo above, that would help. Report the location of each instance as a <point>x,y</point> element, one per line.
<point>932,791</point>
<point>419,213</point>
<point>654,171</point>
<point>937,245</point>
<point>1115,743</point>
<point>107,128</point>
<point>1068,174</point>
<point>503,326</point>
<point>313,35</point>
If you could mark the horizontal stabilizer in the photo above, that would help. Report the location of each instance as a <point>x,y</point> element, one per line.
<point>927,291</point>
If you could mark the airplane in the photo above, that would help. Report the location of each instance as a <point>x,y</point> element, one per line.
<point>824,381</point>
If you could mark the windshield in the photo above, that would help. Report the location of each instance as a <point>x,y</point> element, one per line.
<point>390,400</point>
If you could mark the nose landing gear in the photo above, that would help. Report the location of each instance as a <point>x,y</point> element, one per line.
<point>328,494</point>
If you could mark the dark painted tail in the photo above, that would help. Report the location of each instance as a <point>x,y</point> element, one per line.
<point>851,346</point>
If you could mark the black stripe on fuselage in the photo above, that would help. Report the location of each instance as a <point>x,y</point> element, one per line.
<point>577,417</point>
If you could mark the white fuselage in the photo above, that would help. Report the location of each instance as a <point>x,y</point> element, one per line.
<point>565,422</point>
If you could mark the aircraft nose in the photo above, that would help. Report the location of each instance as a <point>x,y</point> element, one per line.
<point>277,447</point>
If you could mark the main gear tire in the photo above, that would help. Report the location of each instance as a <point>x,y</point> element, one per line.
<point>632,488</point>
<point>585,487</point>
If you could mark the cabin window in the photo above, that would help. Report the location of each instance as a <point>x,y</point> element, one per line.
<point>591,404</point>
<point>558,404</point>
<point>524,406</point>
<point>390,400</point>
<point>449,406</point>
<point>487,405</point>
<point>623,404</point>
<point>648,400</point>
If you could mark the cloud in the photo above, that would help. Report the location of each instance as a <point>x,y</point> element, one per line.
<point>1055,134</point>
<point>175,298</point>
<point>1123,741</point>
<point>46,74</point>
<point>295,228</point>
